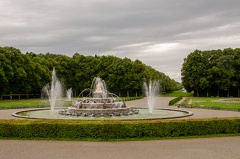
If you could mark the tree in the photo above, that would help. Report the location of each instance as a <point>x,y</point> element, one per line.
<point>4,63</point>
<point>28,73</point>
<point>211,72</point>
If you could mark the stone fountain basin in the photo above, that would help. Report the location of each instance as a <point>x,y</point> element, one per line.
<point>98,111</point>
<point>98,100</point>
<point>101,105</point>
<point>158,114</point>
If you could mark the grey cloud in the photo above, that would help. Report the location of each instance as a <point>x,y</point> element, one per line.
<point>122,28</point>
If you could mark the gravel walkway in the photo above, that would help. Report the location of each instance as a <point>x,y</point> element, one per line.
<point>204,148</point>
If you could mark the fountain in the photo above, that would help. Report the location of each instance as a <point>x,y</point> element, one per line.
<point>151,91</point>
<point>53,90</point>
<point>69,94</point>
<point>99,102</point>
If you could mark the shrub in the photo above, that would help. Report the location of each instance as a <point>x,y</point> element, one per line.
<point>175,100</point>
<point>109,130</point>
<point>131,98</point>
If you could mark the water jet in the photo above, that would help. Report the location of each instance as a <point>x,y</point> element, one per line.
<point>151,91</point>
<point>53,90</point>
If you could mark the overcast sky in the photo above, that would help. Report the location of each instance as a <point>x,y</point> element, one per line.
<point>160,33</point>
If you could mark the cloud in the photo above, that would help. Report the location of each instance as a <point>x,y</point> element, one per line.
<point>161,33</point>
<point>159,48</point>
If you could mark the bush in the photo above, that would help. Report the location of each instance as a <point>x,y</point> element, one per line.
<point>175,100</point>
<point>125,99</point>
<point>109,130</point>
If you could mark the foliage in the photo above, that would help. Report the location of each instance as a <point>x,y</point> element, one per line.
<point>131,98</point>
<point>108,130</point>
<point>212,73</point>
<point>175,100</point>
<point>28,73</point>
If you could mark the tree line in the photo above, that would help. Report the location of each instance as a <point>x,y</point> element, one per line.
<point>28,73</point>
<point>212,72</point>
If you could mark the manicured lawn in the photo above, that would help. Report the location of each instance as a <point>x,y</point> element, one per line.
<point>33,103</point>
<point>177,94</point>
<point>24,102</point>
<point>6,104</point>
<point>211,102</point>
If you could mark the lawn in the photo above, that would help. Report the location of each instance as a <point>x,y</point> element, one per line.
<point>39,103</point>
<point>223,103</point>
<point>26,103</point>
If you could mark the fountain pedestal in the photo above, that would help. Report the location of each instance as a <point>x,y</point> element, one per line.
<point>97,95</point>
<point>99,104</point>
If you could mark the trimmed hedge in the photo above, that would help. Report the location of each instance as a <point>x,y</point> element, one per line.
<point>175,100</point>
<point>125,99</point>
<point>109,130</point>
<point>22,107</point>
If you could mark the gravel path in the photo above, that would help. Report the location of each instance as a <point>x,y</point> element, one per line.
<point>204,148</point>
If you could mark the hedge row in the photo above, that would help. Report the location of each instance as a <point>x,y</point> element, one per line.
<point>22,107</point>
<point>109,130</point>
<point>175,100</point>
<point>131,98</point>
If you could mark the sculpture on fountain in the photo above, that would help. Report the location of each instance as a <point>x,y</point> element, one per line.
<point>100,102</point>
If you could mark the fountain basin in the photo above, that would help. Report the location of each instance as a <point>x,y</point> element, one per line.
<point>99,112</point>
<point>143,114</point>
<point>100,105</point>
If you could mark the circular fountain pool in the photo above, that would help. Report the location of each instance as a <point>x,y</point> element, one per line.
<point>142,115</point>
<point>100,104</point>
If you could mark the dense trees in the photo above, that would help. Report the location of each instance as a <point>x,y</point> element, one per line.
<point>212,73</point>
<point>28,73</point>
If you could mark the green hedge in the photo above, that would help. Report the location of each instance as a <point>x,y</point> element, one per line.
<point>22,107</point>
<point>175,100</point>
<point>131,98</point>
<point>110,130</point>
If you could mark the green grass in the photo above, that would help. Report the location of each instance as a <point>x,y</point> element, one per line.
<point>33,103</point>
<point>177,94</point>
<point>211,102</point>
<point>26,103</point>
